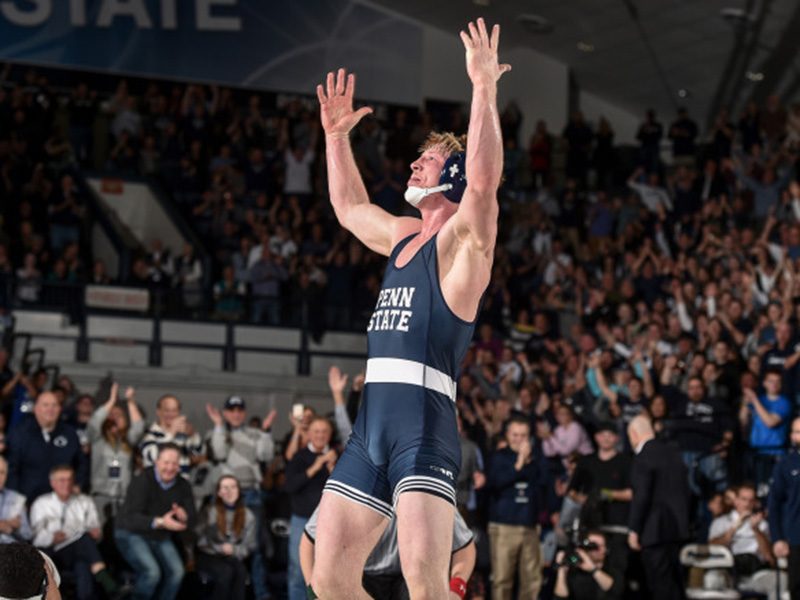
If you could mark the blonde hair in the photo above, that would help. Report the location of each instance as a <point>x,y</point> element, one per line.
<point>447,141</point>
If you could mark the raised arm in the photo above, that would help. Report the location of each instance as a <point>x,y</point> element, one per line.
<point>476,218</point>
<point>369,223</point>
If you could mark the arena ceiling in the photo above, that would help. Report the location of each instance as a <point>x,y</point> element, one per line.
<point>703,54</point>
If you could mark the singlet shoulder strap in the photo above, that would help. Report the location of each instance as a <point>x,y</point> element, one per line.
<point>400,245</point>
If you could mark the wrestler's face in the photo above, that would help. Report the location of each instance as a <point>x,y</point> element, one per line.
<point>426,170</point>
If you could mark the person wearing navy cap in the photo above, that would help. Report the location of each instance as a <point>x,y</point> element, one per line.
<point>403,455</point>
<point>241,451</point>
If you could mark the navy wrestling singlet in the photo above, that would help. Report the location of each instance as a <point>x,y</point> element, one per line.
<point>405,437</point>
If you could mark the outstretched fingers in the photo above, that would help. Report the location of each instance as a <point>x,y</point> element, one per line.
<point>484,36</point>
<point>340,79</point>
<point>321,94</point>
<point>473,32</point>
<point>495,41</point>
<point>350,87</point>
<point>331,85</point>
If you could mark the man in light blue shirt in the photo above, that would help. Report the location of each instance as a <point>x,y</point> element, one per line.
<point>14,525</point>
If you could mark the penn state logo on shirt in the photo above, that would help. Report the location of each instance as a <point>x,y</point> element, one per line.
<point>795,472</point>
<point>60,441</point>
<point>392,310</point>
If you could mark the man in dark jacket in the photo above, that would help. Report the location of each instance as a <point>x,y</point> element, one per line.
<point>306,475</point>
<point>784,510</point>
<point>659,513</point>
<point>514,489</point>
<point>40,443</point>
<point>157,505</point>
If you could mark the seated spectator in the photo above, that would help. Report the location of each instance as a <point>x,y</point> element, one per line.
<point>172,427</point>
<point>40,443</point>
<point>241,451</point>
<point>14,525</point>
<point>66,525</point>
<point>591,577</point>
<point>113,434</point>
<point>514,487</point>
<point>158,504</point>
<point>26,572</point>
<point>306,475</point>
<point>745,532</point>
<point>569,435</point>
<point>226,537</point>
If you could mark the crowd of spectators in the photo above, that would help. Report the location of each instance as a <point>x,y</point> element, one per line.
<point>656,280</point>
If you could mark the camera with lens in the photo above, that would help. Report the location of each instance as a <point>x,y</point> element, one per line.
<point>571,556</point>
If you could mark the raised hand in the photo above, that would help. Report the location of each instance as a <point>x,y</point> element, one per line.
<point>213,414</point>
<point>337,380</point>
<point>336,104</point>
<point>269,419</point>
<point>482,65</point>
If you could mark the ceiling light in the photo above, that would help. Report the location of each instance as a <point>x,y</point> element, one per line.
<point>585,47</point>
<point>683,93</point>
<point>535,24</point>
<point>754,76</point>
<point>736,15</point>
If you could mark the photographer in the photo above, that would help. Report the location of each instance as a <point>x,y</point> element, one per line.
<point>582,572</point>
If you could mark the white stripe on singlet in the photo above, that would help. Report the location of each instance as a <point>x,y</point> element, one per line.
<point>400,370</point>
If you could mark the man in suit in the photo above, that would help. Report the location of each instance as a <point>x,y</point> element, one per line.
<point>659,514</point>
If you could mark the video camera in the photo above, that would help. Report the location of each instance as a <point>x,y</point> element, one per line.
<point>571,556</point>
<point>577,541</point>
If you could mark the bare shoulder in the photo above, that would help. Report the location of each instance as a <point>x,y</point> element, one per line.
<point>404,227</point>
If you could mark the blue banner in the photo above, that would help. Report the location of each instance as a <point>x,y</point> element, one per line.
<point>283,45</point>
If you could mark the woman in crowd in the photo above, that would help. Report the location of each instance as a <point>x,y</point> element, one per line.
<point>226,534</point>
<point>113,434</point>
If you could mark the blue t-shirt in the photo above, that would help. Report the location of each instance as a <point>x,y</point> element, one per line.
<point>770,438</point>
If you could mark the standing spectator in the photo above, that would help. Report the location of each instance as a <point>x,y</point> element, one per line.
<point>649,136</point>
<point>514,488</point>
<point>659,516</point>
<point>29,280</point>
<point>113,435</point>
<point>229,296</point>
<point>66,525</point>
<point>265,277</point>
<point>173,427</point>
<point>39,444</point>
<point>306,474</point>
<point>189,277</point>
<point>784,510</point>
<point>604,477</point>
<point>767,417</point>
<point>242,451</point>
<point>226,537</point>
<point>64,215</point>
<point>14,525</point>
<point>683,133</point>
<point>540,151</point>
<point>569,435</point>
<point>158,504</point>
<point>703,428</point>
<point>578,136</point>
